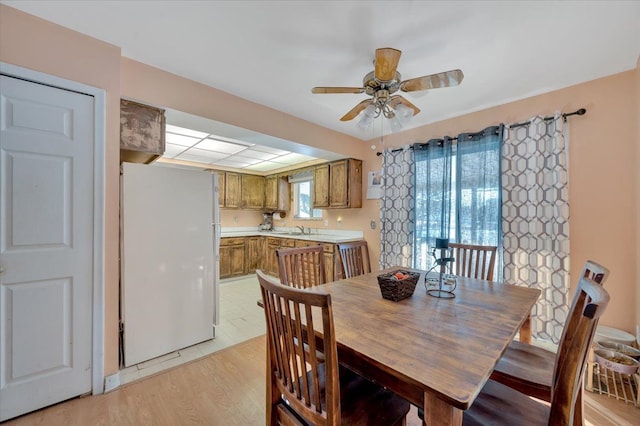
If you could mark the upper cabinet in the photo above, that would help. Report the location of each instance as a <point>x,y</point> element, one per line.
<point>252,192</point>
<point>321,186</point>
<point>142,130</point>
<point>221,187</point>
<point>345,183</point>
<point>339,185</point>
<point>276,193</point>
<point>232,190</point>
<point>241,191</point>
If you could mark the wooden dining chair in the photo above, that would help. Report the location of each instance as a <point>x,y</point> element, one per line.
<point>302,390</point>
<point>301,267</point>
<point>355,258</point>
<point>499,404</point>
<point>473,261</point>
<point>528,368</point>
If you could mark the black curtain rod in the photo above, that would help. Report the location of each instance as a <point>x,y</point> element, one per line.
<point>581,111</point>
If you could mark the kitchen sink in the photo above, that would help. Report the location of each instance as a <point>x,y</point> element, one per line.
<point>286,233</point>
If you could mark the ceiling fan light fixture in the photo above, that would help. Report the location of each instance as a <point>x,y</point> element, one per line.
<point>403,113</point>
<point>368,114</point>
<point>395,124</point>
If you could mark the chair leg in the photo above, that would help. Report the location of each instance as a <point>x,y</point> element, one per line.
<point>525,330</point>
<point>578,409</point>
<point>272,396</point>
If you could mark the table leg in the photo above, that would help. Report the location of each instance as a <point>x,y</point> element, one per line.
<point>438,412</point>
<point>525,330</point>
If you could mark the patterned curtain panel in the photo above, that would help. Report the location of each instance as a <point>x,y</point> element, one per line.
<point>535,219</point>
<point>397,209</point>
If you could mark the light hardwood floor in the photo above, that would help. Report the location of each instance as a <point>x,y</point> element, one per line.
<point>224,388</point>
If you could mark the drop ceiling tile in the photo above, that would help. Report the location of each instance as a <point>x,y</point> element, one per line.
<point>265,166</point>
<point>200,155</point>
<point>292,158</point>
<point>171,150</point>
<point>231,162</point>
<point>181,139</point>
<point>270,150</point>
<point>220,146</point>
<point>195,158</point>
<point>185,132</point>
<point>261,155</point>
<point>243,159</point>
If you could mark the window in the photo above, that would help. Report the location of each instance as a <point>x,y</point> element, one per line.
<point>303,197</point>
<point>458,193</point>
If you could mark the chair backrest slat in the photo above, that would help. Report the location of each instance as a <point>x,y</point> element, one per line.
<point>589,302</point>
<point>301,267</point>
<point>474,261</point>
<point>355,258</point>
<point>294,318</point>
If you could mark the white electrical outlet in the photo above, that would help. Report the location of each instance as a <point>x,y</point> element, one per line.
<point>326,222</point>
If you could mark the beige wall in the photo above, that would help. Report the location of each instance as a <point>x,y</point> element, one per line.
<point>39,45</point>
<point>637,192</point>
<point>603,166</point>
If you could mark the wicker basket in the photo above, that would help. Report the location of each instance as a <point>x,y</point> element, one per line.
<point>394,289</point>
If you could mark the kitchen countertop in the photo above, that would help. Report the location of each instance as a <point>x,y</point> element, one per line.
<point>322,235</point>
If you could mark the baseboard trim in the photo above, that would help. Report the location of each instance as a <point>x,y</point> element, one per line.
<point>111,382</point>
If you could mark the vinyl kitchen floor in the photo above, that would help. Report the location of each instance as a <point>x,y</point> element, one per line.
<point>240,319</point>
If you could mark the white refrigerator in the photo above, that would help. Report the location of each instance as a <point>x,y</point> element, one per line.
<point>170,240</point>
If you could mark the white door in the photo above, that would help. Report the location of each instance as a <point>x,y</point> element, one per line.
<point>46,245</point>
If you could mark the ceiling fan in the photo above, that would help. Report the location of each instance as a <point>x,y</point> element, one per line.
<point>383,82</point>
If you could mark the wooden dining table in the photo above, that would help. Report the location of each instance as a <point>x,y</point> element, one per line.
<point>436,353</point>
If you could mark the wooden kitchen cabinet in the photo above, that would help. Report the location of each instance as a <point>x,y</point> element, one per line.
<point>221,188</point>
<point>252,192</point>
<point>321,186</point>
<point>345,183</point>
<point>271,258</point>
<point>232,190</point>
<point>253,253</point>
<point>338,184</point>
<point>276,193</point>
<point>232,255</point>
<point>332,266</point>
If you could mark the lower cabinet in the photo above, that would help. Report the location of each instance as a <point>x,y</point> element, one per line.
<point>243,255</point>
<point>270,258</point>
<point>253,253</point>
<point>232,254</point>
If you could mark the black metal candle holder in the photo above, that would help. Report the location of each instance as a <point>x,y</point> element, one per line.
<point>442,244</point>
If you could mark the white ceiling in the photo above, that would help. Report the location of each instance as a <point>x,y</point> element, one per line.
<point>274,52</point>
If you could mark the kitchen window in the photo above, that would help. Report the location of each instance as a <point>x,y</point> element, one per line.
<point>302,185</point>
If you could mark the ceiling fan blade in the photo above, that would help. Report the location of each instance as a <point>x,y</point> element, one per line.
<point>356,110</point>
<point>433,81</point>
<point>337,90</point>
<point>397,99</point>
<point>386,63</point>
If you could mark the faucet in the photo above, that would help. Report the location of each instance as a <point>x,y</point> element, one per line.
<point>301,228</point>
